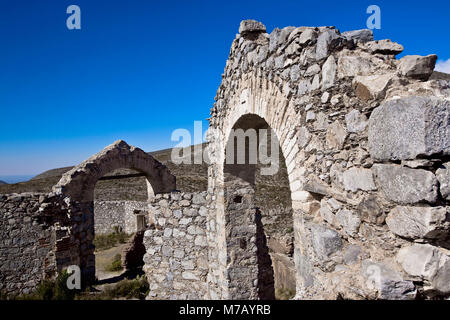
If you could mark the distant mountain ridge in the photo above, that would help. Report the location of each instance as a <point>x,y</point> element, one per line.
<point>127,186</point>
<point>440,76</point>
<point>2,182</point>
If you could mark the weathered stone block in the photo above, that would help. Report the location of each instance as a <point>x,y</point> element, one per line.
<point>417,67</point>
<point>358,179</point>
<point>303,137</point>
<point>200,241</point>
<point>389,283</point>
<point>336,135</point>
<point>326,213</point>
<point>323,43</point>
<point>372,87</point>
<point>304,268</point>
<point>198,198</point>
<point>418,222</point>
<point>350,65</point>
<point>405,128</point>
<point>371,211</point>
<point>351,254</point>
<point>419,260</point>
<point>295,73</point>
<point>273,39</point>
<point>406,185</point>
<point>188,275</point>
<point>185,203</point>
<point>441,281</point>
<point>362,35</point>
<point>384,47</point>
<point>312,70</point>
<point>325,241</point>
<point>307,36</point>
<point>328,73</point>
<point>303,87</point>
<point>355,121</point>
<point>349,220</point>
<point>249,26</point>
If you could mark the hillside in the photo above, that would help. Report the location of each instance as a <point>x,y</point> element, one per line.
<point>124,184</point>
<point>2,182</point>
<point>440,76</point>
<point>52,173</point>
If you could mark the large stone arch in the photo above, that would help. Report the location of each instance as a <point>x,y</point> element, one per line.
<point>252,244</point>
<point>340,105</point>
<point>260,97</point>
<point>74,243</point>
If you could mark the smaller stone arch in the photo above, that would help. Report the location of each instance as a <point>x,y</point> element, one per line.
<point>74,243</point>
<point>78,184</point>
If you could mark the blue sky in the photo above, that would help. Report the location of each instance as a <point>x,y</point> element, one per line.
<point>137,70</point>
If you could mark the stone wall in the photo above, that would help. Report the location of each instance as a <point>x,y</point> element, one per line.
<point>176,262</point>
<point>366,138</point>
<point>41,235</point>
<point>109,215</point>
<point>25,243</point>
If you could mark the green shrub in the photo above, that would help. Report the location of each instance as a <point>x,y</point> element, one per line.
<point>116,264</point>
<point>136,288</point>
<point>125,289</point>
<point>52,290</point>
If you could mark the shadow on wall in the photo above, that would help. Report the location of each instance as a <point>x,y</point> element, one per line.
<point>266,281</point>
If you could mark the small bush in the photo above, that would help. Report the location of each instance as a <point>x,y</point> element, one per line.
<point>52,290</point>
<point>3,295</point>
<point>136,288</point>
<point>116,264</point>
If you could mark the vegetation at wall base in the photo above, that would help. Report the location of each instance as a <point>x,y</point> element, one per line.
<point>116,264</point>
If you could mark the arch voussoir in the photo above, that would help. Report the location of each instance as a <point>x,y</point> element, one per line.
<point>356,128</point>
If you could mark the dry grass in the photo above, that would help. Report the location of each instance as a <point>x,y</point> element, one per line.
<point>107,241</point>
<point>284,294</point>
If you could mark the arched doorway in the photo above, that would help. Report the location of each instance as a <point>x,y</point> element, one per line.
<point>75,243</point>
<point>257,212</point>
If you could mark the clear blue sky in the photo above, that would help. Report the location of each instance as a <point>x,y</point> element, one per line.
<point>140,69</point>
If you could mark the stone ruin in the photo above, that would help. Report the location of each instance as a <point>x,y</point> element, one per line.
<point>365,139</point>
<point>42,234</point>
